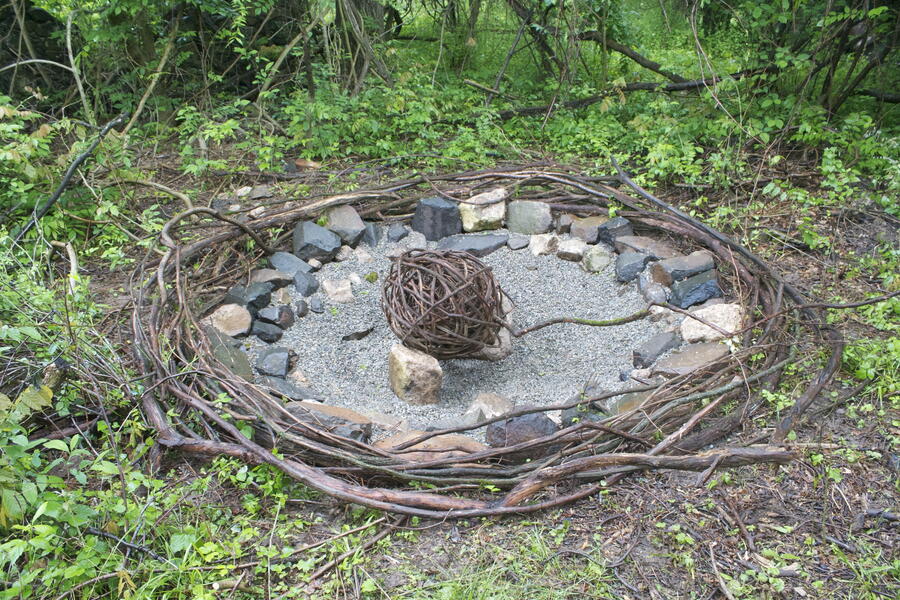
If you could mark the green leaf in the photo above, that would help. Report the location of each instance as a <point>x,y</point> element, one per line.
<point>56,445</point>
<point>36,398</point>
<point>181,541</point>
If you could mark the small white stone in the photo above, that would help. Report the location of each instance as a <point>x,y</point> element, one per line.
<point>487,406</point>
<point>257,212</point>
<point>362,255</point>
<point>338,290</point>
<point>573,250</point>
<point>244,191</point>
<point>314,263</point>
<point>544,243</point>
<point>727,317</point>
<point>595,259</point>
<point>343,253</point>
<point>355,279</point>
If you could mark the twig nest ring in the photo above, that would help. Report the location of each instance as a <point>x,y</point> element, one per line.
<point>445,303</point>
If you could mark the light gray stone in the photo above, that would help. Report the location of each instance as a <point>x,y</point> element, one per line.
<point>414,376</point>
<point>338,290</point>
<point>484,211</point>
<point>587,229</point>
<point>545,243</point>
<point>528,217</point>
<point>595,259</point>
<point>343,253</point>
<point>645,245</point>
<point>690,358</point>
<point>232,320</point>
<point>346,223</point>
<point>517,242</point>
<point>728,317</point>
<point>572,250</point>
<point>485,406</point>
<point>278,279</point>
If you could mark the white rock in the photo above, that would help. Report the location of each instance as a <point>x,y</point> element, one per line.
<point>728,317</point>
<point>244,191</point>
<point>362,255</point>
<point>573,250</point>
<point>355,279</point>
<point>338,290</point>
<point>314,263</point>
<point>487,406</point>
<point>484,211</point>
<point>231,319</point>
<point>299,377</point>
<point>544,243</point>
<point>414,376</point>
<point>595,259</point>
<point>343,253</point>
<point>257,212</point>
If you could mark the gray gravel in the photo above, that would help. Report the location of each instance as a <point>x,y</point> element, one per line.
<point>546,367</point>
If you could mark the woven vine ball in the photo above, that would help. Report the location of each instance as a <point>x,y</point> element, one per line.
<point>445,303</point>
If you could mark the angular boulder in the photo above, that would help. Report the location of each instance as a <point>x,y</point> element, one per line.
<point>345,222</point>
<point>528,217</point>
<point>572,250</point>
<point>396,232</point>
<point>436,218</point>
<point>274,362</point>
<point>232,319</point>
<point>670,270</point>
<point>415,377</point>
<point>587,229</point>
<point>267,332</point>
<point>278,279</point>
<point>696,289</point>
<point>613,229</point>
<point>629,264</point>
<point>647,353</point>
<point>484,211</point>
<point>254,296</point>
<point>281,315</point>
<point>728,317</point>
<point>595,259</point>
<point>545,243</point>
<point>314,242</point>
<point>306,284</point>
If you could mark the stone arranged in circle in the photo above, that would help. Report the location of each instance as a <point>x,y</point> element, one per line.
<point>306,284</point>
<point>288,389</point>
<point>517,430</point>
<point>436,218</point>
<point>587,229</point>
<point>234,359</point>
<point>596,258</point>
<point>232,320</point>
<point>274,361</point>
<point>657,249</point>
<point>478,245</point>
<point>278,279</point>
<point>288,263</point>
<point>572,250</point>
<point>613,229</point>
<point>647,353</point>
<point>282,316</point>
<point>545,243</point>
<point>690,358</point>
<point>414,376</point>
<point>396,232</point>
<point>528,217</point>
<point>681,267</point>
<point>267,332</point>
<point>629,264</point>
<point>484,211</point>
<point>314,242</point>
<point>254,296</point>
<point>346,223</point>
<point>696,289</point>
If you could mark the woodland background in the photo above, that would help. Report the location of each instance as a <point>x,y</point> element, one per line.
<point>775,122</point>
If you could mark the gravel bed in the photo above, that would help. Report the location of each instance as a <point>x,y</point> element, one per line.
<point>545,367</point>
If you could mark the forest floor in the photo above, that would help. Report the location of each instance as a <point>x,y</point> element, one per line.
<point>826,526</point>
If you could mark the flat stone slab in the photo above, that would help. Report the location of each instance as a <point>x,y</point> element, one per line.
<point>288,263</point>
<point>477,245</point>
<point>587,229</point>
<point>629,264</point>
<point>645,245</point>
<point>614,229</point>
<point>277,278</point>
<point>647,353</point>
<point>728,317</point>
<point>690,359</point>
<point>572,250</point>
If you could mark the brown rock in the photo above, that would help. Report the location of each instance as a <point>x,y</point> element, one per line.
<point>666,271</point>
<point>448,445</point>
<point>690,359</point>
<point>587,229</point>
<point>414,376</point>
<point>232,319</point>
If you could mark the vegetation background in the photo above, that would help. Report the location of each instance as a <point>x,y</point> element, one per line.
<point>775,122</point>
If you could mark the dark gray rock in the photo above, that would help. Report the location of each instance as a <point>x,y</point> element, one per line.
<point>581,413</point>
<point>274,361</point>
<point>682,267</point>
<point>529,217</point>
<point>519,429</point>
<point>396,232</point>
<point>517,242</point>
<point>478,245</point>
<point>436,218</point>
<point>645,245</point>
<point>226,350</point>
<point>288,389</point>
<point>345,222</point>
<point>288,263</point>
<point>656,346</point>
<point>609,231</point>
<point>302,308</point>
<point>316,305</point>
<point>696,289</point>
<point>306,284</point>
<point>373,234</point>
<point>629,264</point>
<point>282,316</point>
<point>312,241</point>
<point>267,332</point>
<point>254,296</point>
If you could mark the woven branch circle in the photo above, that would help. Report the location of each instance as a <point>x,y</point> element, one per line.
<point>445,303</point>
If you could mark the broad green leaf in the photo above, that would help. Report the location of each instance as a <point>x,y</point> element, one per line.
<point>5,404</point>
<point>36,398</point>
<point>181,541</point>
<point>56,445</point>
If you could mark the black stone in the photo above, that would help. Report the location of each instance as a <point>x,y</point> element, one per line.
<point>436,218</point>
<point>313,241</point>
<point>253,297</point>
<point>696,289</point>
<point>302,308</point>
<point>609,231</point>
<point>288,263</point>
<point>517,242</point>
<point>316,305</point>
<point>656,346</point>
<point>372,234</point>
<point>397,231</point>
<point>306,284</point>
<point>477,245</point>
<point>274,361</point>
<point>282,316</point>
<point>516,430</point>
<point>266,332</point>
<point>629,264</point>
<point>289,389</point>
